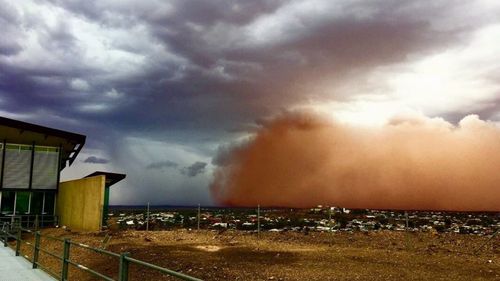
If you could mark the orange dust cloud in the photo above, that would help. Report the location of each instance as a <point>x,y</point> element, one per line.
<point>413,162</point>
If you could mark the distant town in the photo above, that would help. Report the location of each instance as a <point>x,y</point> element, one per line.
<point>320,218</point>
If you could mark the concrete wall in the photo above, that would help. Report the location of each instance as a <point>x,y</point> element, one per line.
<point>80,203</point>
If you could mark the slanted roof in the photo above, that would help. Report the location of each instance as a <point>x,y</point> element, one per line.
<point>111,178</point>
<point>14,131</point>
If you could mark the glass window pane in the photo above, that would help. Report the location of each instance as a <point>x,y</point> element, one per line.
<point>8,202</point>
<point>36,203</point>
<point>48,208</point>
<point>45,167</point>
<point>17,166</point>
<point>22,203</point>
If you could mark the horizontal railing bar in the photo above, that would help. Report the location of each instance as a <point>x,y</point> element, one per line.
<point>48,270</point>
<point>161,269</point>
<point>26,215</point>
<point>95,249</point>
<point>95,273</point>
<point>50,253</point>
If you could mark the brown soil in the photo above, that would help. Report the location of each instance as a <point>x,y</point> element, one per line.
<point>234,255</point>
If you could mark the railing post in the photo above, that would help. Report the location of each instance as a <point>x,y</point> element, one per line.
<point>64,271</point>
<point>123,274</point>
<point>258,221</point>
<point>4,235</point>
<point>18,241</point>
<point>199,216</point>
<point>2,231</point>
<point>36,249</point>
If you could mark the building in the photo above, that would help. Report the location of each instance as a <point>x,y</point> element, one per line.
<point>83,203</point>
<point>109,180</point>
<point>31,160</point>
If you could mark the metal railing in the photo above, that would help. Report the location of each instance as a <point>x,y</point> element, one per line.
<point>8,231</point>
<point>30,221</point>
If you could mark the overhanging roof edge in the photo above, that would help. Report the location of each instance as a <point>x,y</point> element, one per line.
<point>112,177</point>
<point>72,138</point>
<point>42,129</point>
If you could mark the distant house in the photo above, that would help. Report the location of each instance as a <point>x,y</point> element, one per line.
<point>220,225</point>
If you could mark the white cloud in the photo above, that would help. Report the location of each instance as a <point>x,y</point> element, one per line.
<point>54,36</point>
<point>462,79</point>
<point>459,79</point>
<point>113,94</point>
<point>79,85</point>
<point>290,21</point>
<point>94,107</point>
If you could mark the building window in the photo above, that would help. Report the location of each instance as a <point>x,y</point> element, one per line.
<point>7,203</point>
<point>48,206</point>
<point>36,207</point>
<point>17,166</point>
<point>45,167</point>
<point>22,203</point>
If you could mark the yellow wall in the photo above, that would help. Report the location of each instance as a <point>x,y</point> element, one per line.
<point>80,203</point>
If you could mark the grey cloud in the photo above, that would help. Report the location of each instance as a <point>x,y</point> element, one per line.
<point>202,79</point>
<point>9,48</point>
<point>162,164</point>
<point>8,14</point>
<point>223,156</point>
<point>195,169</point>
<point>225,152</point>
<point>96,160</point>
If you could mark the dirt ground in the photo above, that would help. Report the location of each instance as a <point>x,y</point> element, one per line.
<point>236,255</point>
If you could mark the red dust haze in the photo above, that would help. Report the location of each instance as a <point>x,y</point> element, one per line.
<point>415,162</point>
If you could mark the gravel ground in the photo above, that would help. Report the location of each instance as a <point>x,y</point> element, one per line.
<point>236,255</point>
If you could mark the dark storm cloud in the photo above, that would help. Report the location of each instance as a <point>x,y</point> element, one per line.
<point>9,20</point>
<point>9,48</point>
<point>162,164</point>
<point>96,160</point>
<point>194,169</point>
<point>207,63</point>
<point>197,73</point>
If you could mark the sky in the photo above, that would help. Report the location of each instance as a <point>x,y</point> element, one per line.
<point>163,89</point>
